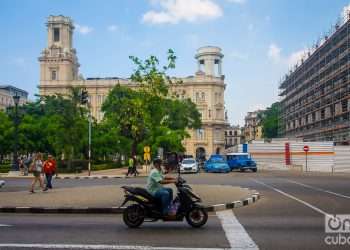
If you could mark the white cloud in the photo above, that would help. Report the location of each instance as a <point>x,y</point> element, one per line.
<point>83,29</point>
<point>237,1</point>
<point>239,56</point>
<point>345,13</point>
<point>295,57</point>
<point>112,28</point>
<point>274,53</point>
<point>175,11</point>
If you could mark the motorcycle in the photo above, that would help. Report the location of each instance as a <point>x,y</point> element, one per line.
<point>145,208</point>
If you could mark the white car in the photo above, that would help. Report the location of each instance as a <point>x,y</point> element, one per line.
<point>189,165</point>
<point>2,183</point>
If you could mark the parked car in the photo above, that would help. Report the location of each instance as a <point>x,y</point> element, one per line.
<point>241,161</point>
<point>2,183</point>
<point>216,164</point>
<point>189,165</point>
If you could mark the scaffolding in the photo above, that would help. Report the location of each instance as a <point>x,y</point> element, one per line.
<point>316,95</point>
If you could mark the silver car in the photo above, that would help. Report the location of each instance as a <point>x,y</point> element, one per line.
<point>189,165</point>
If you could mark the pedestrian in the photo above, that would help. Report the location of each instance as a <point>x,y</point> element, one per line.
<point>37,168</point>
<point>49,170</point>
<point>26,163</point>
<point>21,165</point>
<point>134,166</point>
<point>130,166</point>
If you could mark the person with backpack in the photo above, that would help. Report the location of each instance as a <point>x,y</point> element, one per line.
<point>37,168</point>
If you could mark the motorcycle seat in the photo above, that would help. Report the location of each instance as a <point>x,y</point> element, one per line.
<point>140,191</point>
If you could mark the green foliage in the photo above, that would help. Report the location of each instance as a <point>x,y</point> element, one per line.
<point>5,168</point>
<point>148,115</point>
<point>6,134</point>
<point>133,118</point>
<point>269,121</point>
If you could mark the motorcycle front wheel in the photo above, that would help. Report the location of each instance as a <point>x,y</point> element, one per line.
<point>133,216</point>
<point>197,217</point>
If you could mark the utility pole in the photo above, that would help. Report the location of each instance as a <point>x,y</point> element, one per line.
<point>15,166</point>
<point>89,164</point>
<point>85,101</point>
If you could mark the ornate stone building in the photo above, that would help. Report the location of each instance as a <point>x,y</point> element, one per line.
<point>6,96</point>
<point>252,127</point>
<point>59,69</point>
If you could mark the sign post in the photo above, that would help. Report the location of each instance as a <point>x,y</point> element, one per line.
<point>306,149</point>
<point>147,156</point>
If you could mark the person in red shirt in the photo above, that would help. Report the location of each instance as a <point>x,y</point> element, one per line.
<point>49,170</point>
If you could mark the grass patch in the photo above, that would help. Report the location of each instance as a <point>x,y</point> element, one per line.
<point>104,166</point>
<point>5,168</point>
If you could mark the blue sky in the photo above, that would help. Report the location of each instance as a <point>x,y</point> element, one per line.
<point>261,39</point>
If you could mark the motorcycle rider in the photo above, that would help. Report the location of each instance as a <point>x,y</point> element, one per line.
<point>155,183</point>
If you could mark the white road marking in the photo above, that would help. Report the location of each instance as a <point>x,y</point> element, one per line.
<point>320,189</point>
<point>5,225</point>
<point>101,247</point>
<point>235,232</point>
<point>293,197</point>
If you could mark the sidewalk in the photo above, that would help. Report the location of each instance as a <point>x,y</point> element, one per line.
<point>109,173</point>
<point>111,196</point>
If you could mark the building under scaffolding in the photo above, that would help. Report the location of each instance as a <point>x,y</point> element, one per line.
<point>315,102</point>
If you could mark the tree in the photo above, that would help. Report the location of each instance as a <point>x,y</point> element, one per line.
<point>148,115</point>
<point>6,132</point>
<point>269,121</point>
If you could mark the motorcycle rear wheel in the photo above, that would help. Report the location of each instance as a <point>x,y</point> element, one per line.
<point>133,216</point>
<point>197,217</point>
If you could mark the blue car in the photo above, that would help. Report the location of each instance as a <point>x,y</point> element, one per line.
<point>216,164</point>
<point>241,161</point>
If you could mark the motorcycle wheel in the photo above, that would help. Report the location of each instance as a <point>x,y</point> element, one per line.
<point>197,217</point>
<point>133,216</point>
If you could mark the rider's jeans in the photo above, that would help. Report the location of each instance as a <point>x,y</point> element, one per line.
<point>165,195</point>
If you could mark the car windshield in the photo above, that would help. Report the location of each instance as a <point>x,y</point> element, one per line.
<point>188,161</point>
<point>217,160</point>
<point>243,157</point>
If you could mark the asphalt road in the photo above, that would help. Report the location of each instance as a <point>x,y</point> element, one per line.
<point>290,215</point>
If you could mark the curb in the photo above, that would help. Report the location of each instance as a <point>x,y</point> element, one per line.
<point>80,177</point>
<point>118,210</point>
<point>97,177</point>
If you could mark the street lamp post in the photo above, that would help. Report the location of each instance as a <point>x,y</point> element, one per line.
<point>15,166</point>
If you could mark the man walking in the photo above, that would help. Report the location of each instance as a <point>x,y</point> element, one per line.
<point>49,170</point>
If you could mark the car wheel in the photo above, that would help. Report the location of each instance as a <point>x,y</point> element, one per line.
<point>254,170</point>
<point>242,169</point>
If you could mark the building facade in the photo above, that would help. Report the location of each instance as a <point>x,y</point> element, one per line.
<point>252,127</point>
<point>316,95</point>
<point>232,136</point>
<point>6,96</point>
<point>59,69</point>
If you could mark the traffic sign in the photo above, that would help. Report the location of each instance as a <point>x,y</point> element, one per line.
<point>306,148</point>
<point>147,156</point>
<point>146,149</point>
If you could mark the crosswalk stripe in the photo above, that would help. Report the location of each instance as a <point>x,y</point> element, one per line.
<point>235,233</point>
<point>98,247</point>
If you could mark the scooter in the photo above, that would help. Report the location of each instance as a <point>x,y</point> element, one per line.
<point>146,208</point>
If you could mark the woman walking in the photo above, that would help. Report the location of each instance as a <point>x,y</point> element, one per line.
<point>37,168</point>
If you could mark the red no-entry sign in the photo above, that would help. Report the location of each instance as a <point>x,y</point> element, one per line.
<point>306,148</point>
